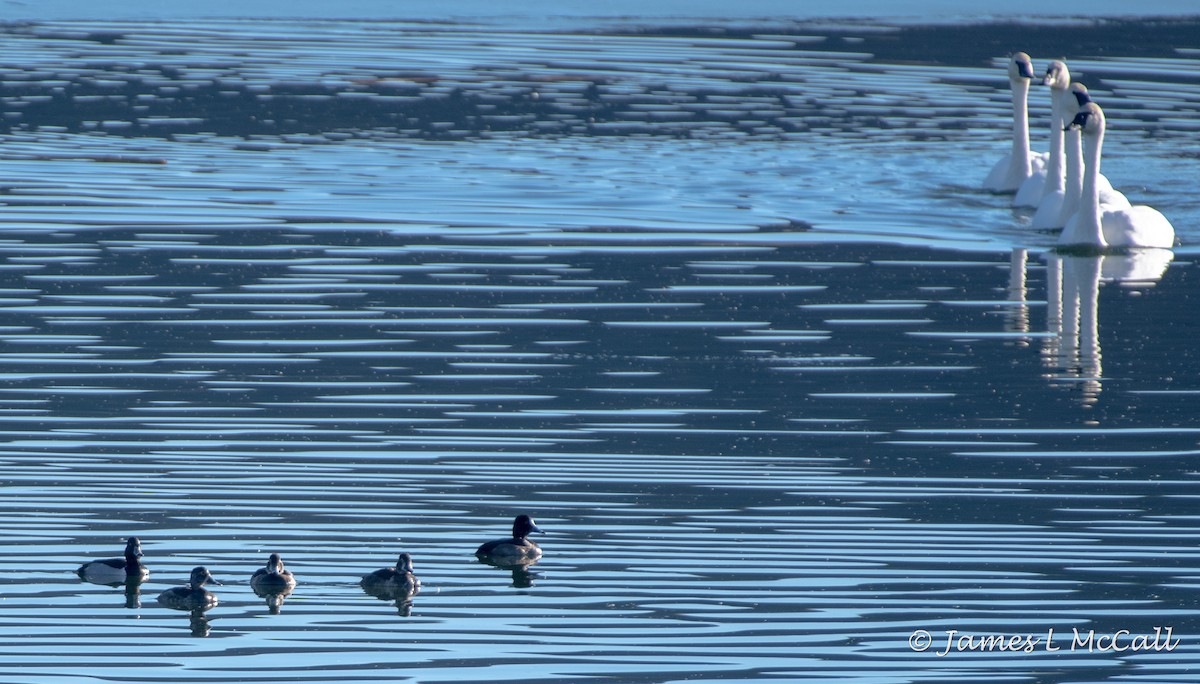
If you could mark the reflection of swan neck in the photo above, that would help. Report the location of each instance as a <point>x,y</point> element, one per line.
<point>1020,143</point>
<point>1052,344</point>
<point>1054,295</point>
<point>1018,316</point>
<point>1016,274</point>
<point>1079,331</point>
<point>1070,311</point>
<point>1089,327</point>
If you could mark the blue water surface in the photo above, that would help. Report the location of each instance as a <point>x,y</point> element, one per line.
<point>721,305</point>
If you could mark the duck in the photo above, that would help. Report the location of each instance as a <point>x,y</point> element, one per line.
<point>518,549</point>
<point>1014,168</point>
<point>393,582</point>
<point>274,578</point>
<point>193,597</point>
<point>117,570</point>
<point>1097,227</point>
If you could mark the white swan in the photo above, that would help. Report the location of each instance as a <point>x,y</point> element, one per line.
<point>1094,226</point>
<point>1053,191</point>
<point>1030,193</point>
<point>1060,197</point>
<point>1008,173</point>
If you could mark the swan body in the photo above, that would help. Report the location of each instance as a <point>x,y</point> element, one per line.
<point>1096,226</point>
<point>1029,195</point>
<point>1011,171</point>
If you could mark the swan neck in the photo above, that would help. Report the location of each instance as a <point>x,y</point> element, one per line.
<point>1020,150</point>
<point>1073,185</point>
<point>1054,169</point>
<point>1073,155</point>
<point>1090,202</point>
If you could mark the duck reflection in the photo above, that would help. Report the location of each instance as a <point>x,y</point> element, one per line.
<point>274,598</point>
<point>522,575</point>
<point>133,593</point>
<point>1073,289</point>
<point>199,623</point>
<point>402,601</point>
<point>132,588</point>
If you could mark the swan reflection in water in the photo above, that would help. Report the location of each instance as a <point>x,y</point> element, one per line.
<point>1016,318</point>
<point>1072,293</point>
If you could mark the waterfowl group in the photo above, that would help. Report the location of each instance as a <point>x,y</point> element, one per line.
<point>1065,186</point>
<point>274,581</point>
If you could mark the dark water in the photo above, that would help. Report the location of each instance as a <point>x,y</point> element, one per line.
<point>724,313</point>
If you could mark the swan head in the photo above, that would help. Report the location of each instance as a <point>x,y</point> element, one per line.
<point>1089,120</point>
<point>1020,67</point>
<point>1057,76</point>
<point>1081,97</point>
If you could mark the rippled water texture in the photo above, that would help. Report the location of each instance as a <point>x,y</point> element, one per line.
<point>724,311</point>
